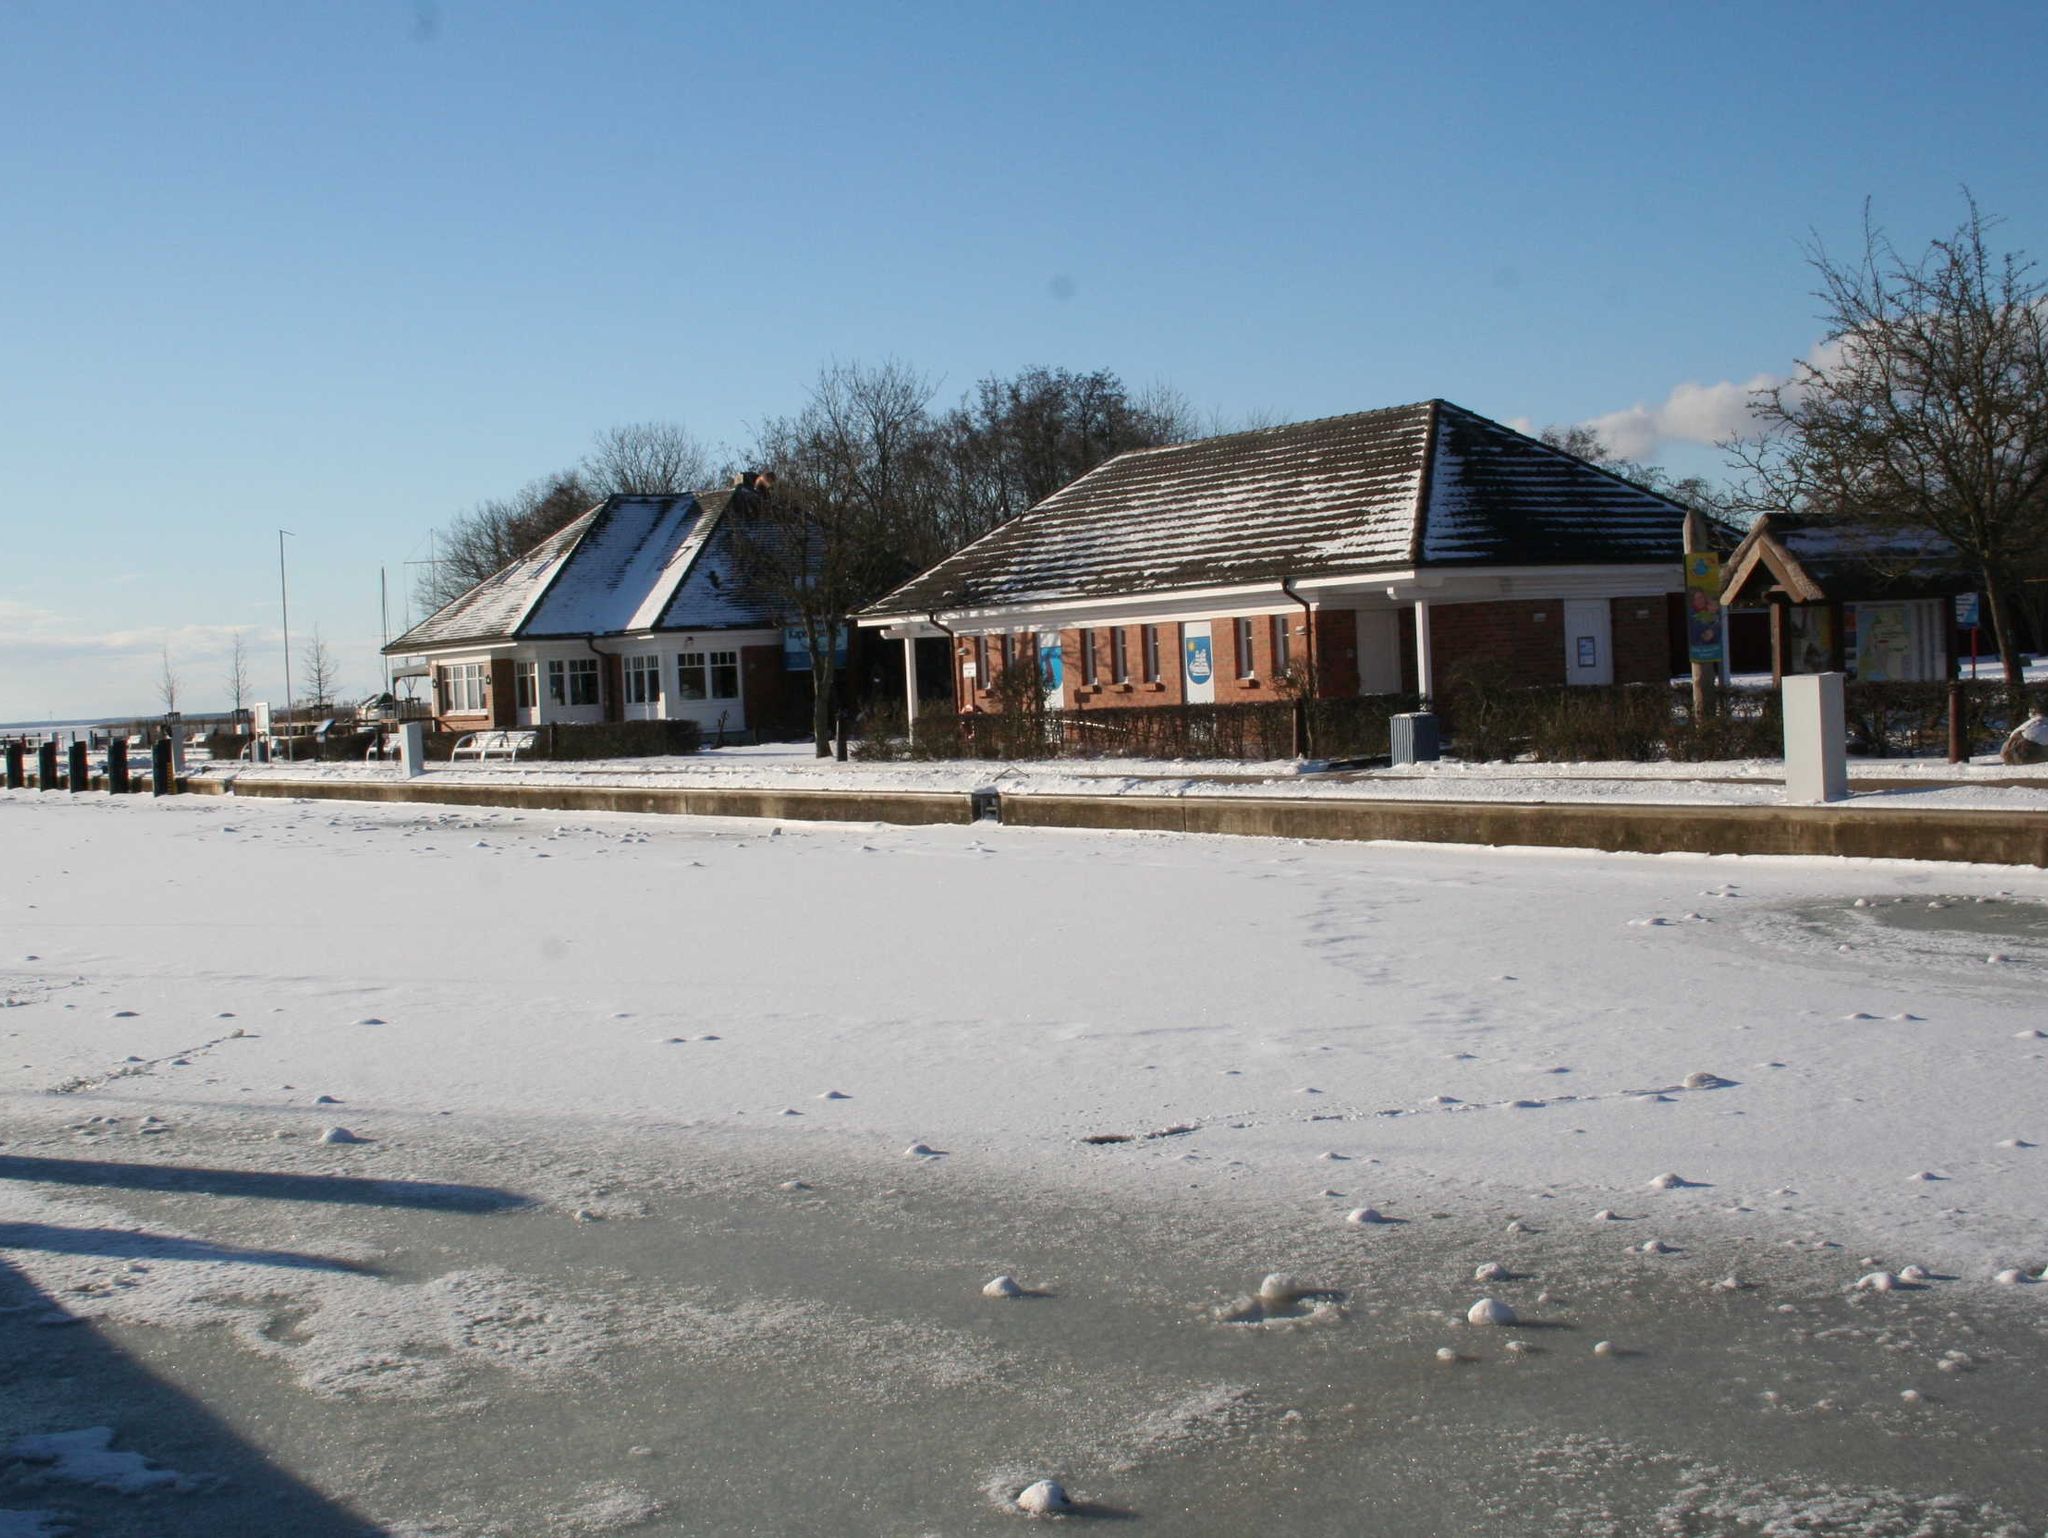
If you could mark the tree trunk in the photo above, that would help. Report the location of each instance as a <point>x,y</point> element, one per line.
<point>2001,632</point>
<point>822,672</point>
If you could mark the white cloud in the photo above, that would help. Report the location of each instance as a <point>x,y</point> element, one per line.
<point>1691,413</point>
<point>30,634</point>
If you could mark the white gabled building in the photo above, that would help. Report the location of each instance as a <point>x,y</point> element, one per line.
<point>634,612</point>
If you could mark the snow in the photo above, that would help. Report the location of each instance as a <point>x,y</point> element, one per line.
<point>1884,783</point>
<point>652,1000</point>
<point>87,1457</point>
<point>1415,984</point>
<point>1490,1311</point>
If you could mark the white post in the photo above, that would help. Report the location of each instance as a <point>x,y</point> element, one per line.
<point>1816,738</point>
<point>910,680</point>
<point>1425,671</point>
<point>412,749</point>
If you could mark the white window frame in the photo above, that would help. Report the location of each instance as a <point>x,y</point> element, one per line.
<point>725,674</point>
<point>1283,648</point>
<point>1149,637</point>
<point>526,684</point>
<point>642,678</point>
<point>1247,668</point>
<point>462,688</point>
<point>584,684</point>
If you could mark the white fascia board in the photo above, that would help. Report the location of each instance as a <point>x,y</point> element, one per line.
<point>753,635</point>
<point>1396,588</point>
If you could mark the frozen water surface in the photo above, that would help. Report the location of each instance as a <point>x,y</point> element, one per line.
<point>719,1355</point>
<point>579,1275</point>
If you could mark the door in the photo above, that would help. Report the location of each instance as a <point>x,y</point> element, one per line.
<point>1588,641</point>
<point>1379,651</point>
<point>1198,659</point>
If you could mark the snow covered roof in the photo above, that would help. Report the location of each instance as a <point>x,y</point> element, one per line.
<point>1815,559</point>
<point>1430,484</point>
<point>629,565</point>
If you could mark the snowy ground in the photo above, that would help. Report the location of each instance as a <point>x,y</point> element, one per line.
<point>792,766</point>
<point>586,1055</point>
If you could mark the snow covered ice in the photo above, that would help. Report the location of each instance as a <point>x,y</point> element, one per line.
<point>770,1324</point>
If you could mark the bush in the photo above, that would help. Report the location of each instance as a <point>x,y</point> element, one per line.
<point>613,739</point>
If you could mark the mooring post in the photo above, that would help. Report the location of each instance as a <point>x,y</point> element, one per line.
<point>78,774</point>
<point>117,766</point>
<point>1956,753</point>
<point>17,766</point>
<point>46,765</point>
<point>160,779</point>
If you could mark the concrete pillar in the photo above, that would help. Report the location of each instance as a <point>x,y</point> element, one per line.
<point>1816,738</point>
<point>1425,670</point>
<point>412,750</point>
<point>910,682</point>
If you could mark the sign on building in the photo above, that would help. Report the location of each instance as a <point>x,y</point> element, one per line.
<point>1052,672</point>
<point>796,649</point>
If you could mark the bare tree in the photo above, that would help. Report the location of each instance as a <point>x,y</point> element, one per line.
<point>237,677</point>
<point>1015,441</point>
<point>167,682</point>
<point>1925,415</point>
<point>646,459</point>
<point>316,660</point>
<point>1582,440</point>
<point>495,533</point>
<point>854,484</point>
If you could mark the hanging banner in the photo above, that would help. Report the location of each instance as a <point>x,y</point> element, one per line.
<point>1052,669</point>
<point>1703,606</point>
<point>1198,661</point>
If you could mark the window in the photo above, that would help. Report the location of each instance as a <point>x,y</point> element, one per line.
<point>573,682</point>
<point>1119,657</point>
<point>1283,656</point>
<point>725,675</point>
<point>1089,676</point>
<point>1151,639</point>
<point>462,688</point>
<point>691,683</point>
<point>526,684</point>
<point>1245,666</point>
<point>708,675</point>
<point>643,680</point>
<point>981,679</point>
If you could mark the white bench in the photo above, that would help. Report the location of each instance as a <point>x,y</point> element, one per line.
<point>487,745</point>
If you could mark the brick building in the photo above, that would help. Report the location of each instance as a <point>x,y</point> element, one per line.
<point>630,613</point>
<point>1367,554</point>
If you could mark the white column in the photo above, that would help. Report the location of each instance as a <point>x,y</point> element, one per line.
<point>1425,671</point>
<point>910,678</point>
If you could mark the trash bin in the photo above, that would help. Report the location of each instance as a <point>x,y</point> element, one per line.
<point>1415,738</point>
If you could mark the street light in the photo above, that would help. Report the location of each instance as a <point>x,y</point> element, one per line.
<point>285,611</point>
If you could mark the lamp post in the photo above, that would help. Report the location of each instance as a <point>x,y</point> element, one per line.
<point>285,612</point>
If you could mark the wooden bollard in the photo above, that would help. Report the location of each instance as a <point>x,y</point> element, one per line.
<point>160,767</point>
<point>17,766</point>
<point>77,773</point>
<point>46,766</point>
<point>117,767</point>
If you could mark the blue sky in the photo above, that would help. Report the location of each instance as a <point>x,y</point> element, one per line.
<point>348,268</point>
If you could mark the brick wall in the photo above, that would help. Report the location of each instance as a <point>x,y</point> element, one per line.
<point>1642,640</point>
<point>1522,640</point>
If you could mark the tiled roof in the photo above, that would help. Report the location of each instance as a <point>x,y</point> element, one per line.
<point>1425,485</point>
<point>630,564</point>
